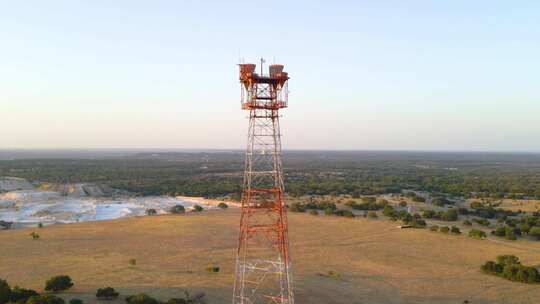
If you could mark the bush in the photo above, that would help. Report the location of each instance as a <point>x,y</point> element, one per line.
<point>429,214</point>
<point>177,301</point>
<point>345,213</point>
<point>444,229</point>
<point>313,212</point>
<point>389,211</point>
<point>328,211</point>
<point>450,215</point>
<point>76,301</point>
<point>5,292</point>
<point>482,222</point>
<point>509,267</point>
<point>535,232</point>
<point>45,299</point>
<point>197,208</point>
<point>34,236</point>
<point>434,228</point>
<point>141,298</point>
<point>21,295</point>
<point>372,214</point>
<point>441,201</point>
<point>223,206</point>
<point>455,230</point>
<point>403,204</point>
<point>151,211</point>
<point>178,209</point>
<point>467,223</point>
<point>132,262</point>
<point>297,207</point>
<point>212,269</point>
<point>107,293</point>
<point>58,283</point>
<point>477,234</point>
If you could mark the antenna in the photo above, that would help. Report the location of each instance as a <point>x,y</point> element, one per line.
<point>262,61</point>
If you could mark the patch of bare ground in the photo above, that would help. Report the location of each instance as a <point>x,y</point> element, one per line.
<point>371,261</point>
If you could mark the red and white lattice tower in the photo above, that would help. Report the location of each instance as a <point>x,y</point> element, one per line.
<point>263,263</point>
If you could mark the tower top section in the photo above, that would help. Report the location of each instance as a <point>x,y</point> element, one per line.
<point>263,91</point>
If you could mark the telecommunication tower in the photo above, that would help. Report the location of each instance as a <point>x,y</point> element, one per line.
<point>263,263</point>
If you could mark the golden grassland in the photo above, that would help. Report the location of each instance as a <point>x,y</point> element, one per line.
<point>376,262</point>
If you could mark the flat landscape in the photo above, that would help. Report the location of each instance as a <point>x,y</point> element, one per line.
<point>372,261</point>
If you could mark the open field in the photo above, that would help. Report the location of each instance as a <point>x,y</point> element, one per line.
<point>377,262</point>
<point>523,205</point>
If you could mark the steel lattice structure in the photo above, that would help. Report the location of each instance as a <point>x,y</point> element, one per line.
<point>263,263</point>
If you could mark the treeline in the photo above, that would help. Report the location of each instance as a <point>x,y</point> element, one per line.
<point>510,268</point>
<point>306,173</point>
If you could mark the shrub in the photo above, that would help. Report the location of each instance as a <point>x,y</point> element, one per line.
<point>434,228</point>
<point>467,223</point>
<point>132,262</point>
<point>107,293</point>
<point>535,232</point>
<point>313,212</point>
<point>21,295</point>
<point>388,211</point>
<point>45,299</point>
<point>441,201</point>
<point>212,269</point>
<point>449,215</point>
<point>345,213</point>
<point>177,301</point>
<point>372,214</point>
<point>178,209</point>
<point>477,234</point>
<point>509,267</point>
<point>482,222</point>
<point>510,233</point>
<point>197,208</point>
<point>328,211</point>
<point>429,214</point>
<point>223,206</point>
<point>297,207</point>
<point>141,298</point>
<point>40,225</point>
<point>455,230</point>
<point>58,283</point>
<point>151,211</point>
<point>444,229</point>
<point>5,292</point>
<point>76,301</point>
<point>34,236</point>
<point>403,204</point>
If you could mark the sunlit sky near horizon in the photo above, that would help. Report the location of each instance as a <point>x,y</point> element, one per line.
<point>365,75</point>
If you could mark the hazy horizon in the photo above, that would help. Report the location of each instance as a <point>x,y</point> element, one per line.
<point>365,76</point>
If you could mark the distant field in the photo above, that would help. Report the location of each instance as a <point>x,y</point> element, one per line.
<point>523,205</point>
<point>377,262</point>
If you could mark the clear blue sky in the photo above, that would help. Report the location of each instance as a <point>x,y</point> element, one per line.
<point>400,75</point>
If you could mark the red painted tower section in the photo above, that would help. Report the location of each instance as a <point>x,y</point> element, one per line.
<point>263,263</point>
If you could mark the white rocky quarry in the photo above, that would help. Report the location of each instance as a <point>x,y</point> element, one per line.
<point>23,204</point>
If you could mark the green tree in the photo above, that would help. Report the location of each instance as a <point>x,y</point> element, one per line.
<point>107,293</point>
<point>535,232</point>
<point>141,298</point>
<point>58,283</point>
<point>477,234</point>
<point>45,299</point>
<point>5,292</point>
<point>177,209</point>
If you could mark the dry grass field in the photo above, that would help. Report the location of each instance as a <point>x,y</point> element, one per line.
<point>523,205</point>
<point>377,262</point>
